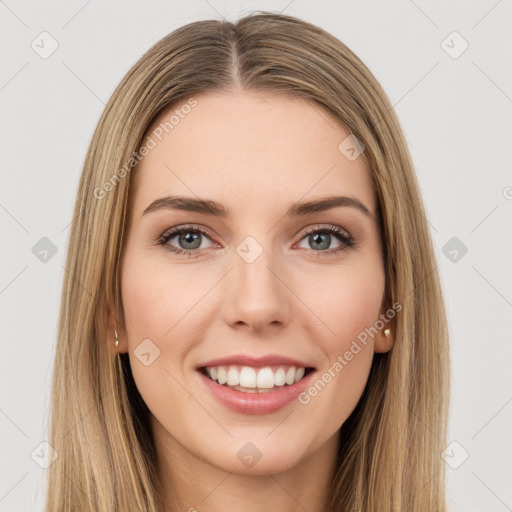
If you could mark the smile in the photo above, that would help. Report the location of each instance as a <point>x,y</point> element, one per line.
<point>255,385</point>
<point>248,379</point>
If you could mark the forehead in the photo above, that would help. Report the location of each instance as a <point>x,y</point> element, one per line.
<point>249,149</point>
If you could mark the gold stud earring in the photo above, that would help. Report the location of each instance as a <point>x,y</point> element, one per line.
<point>116,343</point>
<point>387,332</point>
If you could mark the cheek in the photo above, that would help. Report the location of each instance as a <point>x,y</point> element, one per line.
<point>162,304</point>
<point>345,300</point>
<point>157,299</point>
<point>348,301</point>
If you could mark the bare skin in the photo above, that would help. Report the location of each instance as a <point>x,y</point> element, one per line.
<point>254,153</point>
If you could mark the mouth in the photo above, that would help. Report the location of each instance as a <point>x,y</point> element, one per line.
<point>256,380</point>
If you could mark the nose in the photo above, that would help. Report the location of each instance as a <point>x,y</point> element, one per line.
<point>256,295</point>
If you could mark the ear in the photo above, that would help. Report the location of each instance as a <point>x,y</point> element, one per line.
<point>383,343</point>
<point>114,325</point>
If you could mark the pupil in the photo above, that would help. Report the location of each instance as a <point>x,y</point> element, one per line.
<point>190,238</point>
<point>325,241</point>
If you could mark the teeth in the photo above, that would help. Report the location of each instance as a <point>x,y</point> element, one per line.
<point>233,376</point>
<point>222,375</point>
<point>245,377</point>
<point>280,377</point>
<point>265,378</point>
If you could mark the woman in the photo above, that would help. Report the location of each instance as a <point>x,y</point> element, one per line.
<point>251,314</point>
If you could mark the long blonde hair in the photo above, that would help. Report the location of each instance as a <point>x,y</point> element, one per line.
<point>390,455</point>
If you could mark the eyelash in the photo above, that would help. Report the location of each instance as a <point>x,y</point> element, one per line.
<point>339,233</point>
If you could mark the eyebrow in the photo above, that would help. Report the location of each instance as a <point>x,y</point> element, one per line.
<point>210,207</point>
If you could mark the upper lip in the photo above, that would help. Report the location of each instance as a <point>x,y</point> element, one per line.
<point>257,362</point>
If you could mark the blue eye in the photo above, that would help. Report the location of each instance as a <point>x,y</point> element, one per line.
<point>191,236</point>
<point>323,236</point>
<point>186,235</point>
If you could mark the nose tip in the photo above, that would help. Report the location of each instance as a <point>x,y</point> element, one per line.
<point>256,297</point>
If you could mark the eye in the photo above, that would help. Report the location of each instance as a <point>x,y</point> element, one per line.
<point>190,240</point>
<point>187,236</point>
<point>321,237</point>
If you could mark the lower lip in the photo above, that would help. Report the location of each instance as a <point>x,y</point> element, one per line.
<point>256,403</point>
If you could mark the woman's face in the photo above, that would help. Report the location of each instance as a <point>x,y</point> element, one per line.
<point>258,295</point>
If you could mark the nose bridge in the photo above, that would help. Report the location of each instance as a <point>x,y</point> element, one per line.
<point>253,264</point>
<point>256,294</point>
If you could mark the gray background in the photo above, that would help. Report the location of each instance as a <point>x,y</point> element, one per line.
<point>456,114</point>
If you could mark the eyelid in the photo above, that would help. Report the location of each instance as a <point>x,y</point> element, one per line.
<point>333,229</point>
<point>207,231</point>
<point>190,227</point>
<point>327,227</point>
